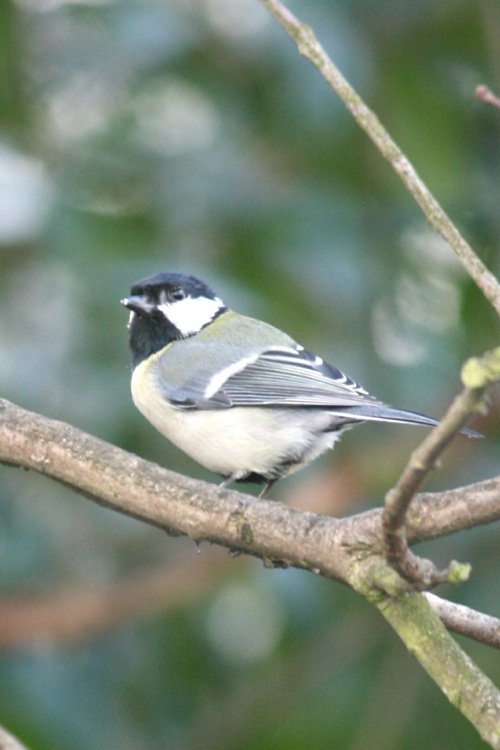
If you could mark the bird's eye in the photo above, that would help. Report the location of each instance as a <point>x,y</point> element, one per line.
<point>177,294</point>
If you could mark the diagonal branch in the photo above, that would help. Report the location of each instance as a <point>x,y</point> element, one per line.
<point>420,628</point>
<point>477,374</point>
<point>309,46</point>
<point>410,614</point>
<point>9,742</point>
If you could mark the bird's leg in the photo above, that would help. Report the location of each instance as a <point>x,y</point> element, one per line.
<point>263,493</point>
<point>267,487</point>
<point>225,483</point>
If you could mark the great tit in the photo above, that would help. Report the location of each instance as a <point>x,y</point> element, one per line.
<point>236,394</point>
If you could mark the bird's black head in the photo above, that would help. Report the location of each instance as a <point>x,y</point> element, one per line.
<point>166,307</point>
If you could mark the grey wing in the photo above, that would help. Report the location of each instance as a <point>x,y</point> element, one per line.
<point>192,376</point>
<point>293,377</point>
<point>281,376</point>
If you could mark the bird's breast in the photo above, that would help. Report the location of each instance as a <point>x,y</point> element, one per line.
<point>234,441</point>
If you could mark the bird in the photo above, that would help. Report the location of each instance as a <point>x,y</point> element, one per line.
<point>236,394</point>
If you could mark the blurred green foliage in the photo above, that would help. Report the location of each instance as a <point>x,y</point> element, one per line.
<point>173,135</point>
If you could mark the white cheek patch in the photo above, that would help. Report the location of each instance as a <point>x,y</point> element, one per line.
<point>131,318</point>
<point>189,315</point>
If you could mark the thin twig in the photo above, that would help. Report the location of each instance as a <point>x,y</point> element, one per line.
<point>466,621</point>
<point>477,374</point>
<point>486,95</point>
<point>9,742</point>
<point>309,46</point>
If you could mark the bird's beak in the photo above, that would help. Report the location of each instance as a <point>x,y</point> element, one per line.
<point>137,304</point>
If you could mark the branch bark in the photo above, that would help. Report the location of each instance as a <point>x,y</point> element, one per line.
<point>458,677</point>
<point>478,375</point>
<point>348,550</point>
<point>180,505</point>
<point>466,621</point>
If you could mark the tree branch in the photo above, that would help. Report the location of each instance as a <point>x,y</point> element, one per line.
<point>309,46</point>
<point>411,616</point>
<point>486,95</point>
<point>9,742</point>
<point>477,374</point>
<point>436,514</point>
<point>466,621</point>
<point>180,505</point>
<point>177,504</point>
<point>427,639</point>
<point>348,550</point>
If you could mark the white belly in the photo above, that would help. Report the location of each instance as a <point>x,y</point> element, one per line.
<point>235,441</point>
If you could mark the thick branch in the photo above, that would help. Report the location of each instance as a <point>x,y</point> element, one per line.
<point>180,505</point>
<point>177,504</point>
<point>458,677</point>
<point>310,47</point>
<point>347,550</point>
<point>432,515</point>
<point>124,482</point>
<point>71,616</point>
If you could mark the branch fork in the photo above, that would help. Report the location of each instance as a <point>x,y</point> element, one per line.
<point>477,375</point>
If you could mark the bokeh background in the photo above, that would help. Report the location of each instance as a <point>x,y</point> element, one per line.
<point>190,135</point>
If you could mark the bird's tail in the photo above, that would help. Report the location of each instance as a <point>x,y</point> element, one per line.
<point>383,413</point>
